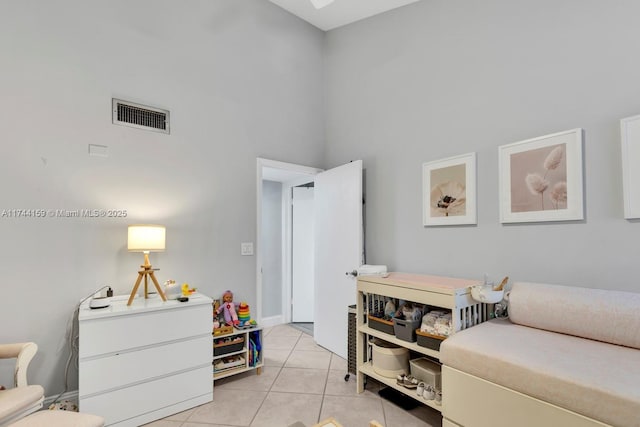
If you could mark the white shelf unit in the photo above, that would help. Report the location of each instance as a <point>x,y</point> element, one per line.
<point>146,361</point>
<point>442,292</point>
<point>244,353</point>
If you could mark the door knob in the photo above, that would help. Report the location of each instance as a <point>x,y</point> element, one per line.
<point>353,273</point>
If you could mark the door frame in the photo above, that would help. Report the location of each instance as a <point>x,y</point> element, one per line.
<point>305,174</point>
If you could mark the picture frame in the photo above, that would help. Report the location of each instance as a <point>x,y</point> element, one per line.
<point>630,149</point>
<point>541,179</point>
<point>449,191</point>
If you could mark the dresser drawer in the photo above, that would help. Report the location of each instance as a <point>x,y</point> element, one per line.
<point>150,396</point>
<point>113,334</point>
<point>130,367</point>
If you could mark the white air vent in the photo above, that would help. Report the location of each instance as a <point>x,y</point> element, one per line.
<point>140,116</point>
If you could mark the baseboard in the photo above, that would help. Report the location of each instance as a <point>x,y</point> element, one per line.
<point>267,322</point>
<point>69,395</point>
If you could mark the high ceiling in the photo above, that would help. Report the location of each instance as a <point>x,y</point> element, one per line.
<point>339,12</point>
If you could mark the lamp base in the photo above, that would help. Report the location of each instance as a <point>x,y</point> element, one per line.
<point>146,272</point>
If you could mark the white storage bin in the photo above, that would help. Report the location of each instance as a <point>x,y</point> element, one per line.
<point>389,360</point>
<point>427,371</point>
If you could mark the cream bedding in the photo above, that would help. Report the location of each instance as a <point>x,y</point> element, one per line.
<point>592,378</point>
<point>603,315</point>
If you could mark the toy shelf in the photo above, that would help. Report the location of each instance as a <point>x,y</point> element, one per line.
<point>239,360</point>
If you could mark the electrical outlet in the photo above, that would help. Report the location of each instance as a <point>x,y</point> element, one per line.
<point>246,248</point>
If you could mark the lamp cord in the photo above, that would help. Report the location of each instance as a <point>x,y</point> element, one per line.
<point>73,343</point>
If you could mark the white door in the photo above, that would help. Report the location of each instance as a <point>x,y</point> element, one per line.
<point>338,249</point>
<point>302,254</point>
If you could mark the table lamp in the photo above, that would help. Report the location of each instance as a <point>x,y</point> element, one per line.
<point>146,238</point>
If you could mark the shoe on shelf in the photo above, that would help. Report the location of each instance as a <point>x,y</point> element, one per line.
<point>420,389</point>
<point>400,379</point>
<point>429,393</point>
<point>410,382</point>
<point>438,397</point>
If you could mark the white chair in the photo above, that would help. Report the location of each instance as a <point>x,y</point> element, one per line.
<point>22,399</point>
<point>17,404</point>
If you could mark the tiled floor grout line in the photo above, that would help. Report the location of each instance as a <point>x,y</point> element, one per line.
<point>324,391</point>
<point>275,378</point>
<point>265,397</point>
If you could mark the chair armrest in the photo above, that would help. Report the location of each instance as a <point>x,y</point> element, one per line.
<point>23,352</point>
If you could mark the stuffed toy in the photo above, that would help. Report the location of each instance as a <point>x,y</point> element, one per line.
<point>228,308</point>
<point>390,308</point>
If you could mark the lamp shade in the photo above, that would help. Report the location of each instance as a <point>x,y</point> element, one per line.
<point>146,238</point>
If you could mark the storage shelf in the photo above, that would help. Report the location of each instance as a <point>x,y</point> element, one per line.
<point>246,333</point>
<point>236,370</point>
<point>228,372</point>
<point>367,369</point>
<point>392,339</point>
<point>443,292</point>
<point>233,353</point>
<point>238,332</point>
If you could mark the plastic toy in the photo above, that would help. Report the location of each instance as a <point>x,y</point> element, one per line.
<point>186,290</point>
<point>244,314</point>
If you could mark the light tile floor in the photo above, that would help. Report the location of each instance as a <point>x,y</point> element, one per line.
<point>300,381</point>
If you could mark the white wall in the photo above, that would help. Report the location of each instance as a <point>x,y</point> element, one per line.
<point>423,82</point>
<point>241,81</point>
<point>271,241</point>
<point>440,78</point>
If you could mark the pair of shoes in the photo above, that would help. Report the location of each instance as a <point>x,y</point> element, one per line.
<point>428,392</point>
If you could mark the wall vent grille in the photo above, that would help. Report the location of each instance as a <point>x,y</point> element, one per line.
<point>140,116</point>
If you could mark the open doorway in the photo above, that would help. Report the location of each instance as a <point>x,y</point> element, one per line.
<point>338,249</point>
<point>284,261</point>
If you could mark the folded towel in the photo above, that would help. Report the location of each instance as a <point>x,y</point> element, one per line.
<point>372,270</point>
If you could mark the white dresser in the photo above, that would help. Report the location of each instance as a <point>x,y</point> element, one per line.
<point>146,361</point>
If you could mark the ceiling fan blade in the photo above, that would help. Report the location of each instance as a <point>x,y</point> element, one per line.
<point>319,4</point>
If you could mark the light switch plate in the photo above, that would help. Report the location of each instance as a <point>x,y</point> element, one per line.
<point>246,248</point>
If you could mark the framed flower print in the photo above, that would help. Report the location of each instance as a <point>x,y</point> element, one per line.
<point>449,191</point>
<point>541,178</point>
